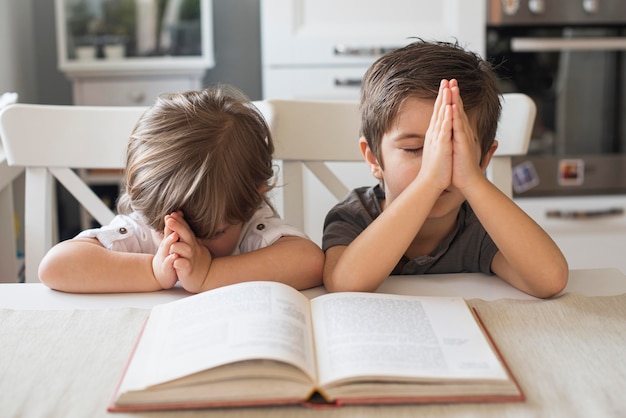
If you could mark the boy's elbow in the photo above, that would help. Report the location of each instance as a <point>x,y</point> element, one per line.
<point>315,266</point>
<point>341,275</point>
<point>342,287</point>
<point>57,267</point>
<point>310,264</point>
<point>331,286</point>
<point>335,281</point>
<point>555,281</point>
<point>50,271</point>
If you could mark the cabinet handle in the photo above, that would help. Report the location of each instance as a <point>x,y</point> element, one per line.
<point>567,44</point>
<point>367,51</point>
<point>348,82</point>
<point>585,214</point>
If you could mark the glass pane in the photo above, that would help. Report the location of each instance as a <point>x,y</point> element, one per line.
<point>114,29</point>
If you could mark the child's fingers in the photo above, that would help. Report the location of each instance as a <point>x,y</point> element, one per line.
<point>166,231</point>
<point>458,101</point>
<point>443,99</point>
<point>440,103</point>
<point>464,136</point>
<point>438,126</point>
<point>164,247</point>
<point>178,225</point>
<point>182,249</point>
<point>182,266</point>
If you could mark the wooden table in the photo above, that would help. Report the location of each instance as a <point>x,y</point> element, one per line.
<point>62,354</point>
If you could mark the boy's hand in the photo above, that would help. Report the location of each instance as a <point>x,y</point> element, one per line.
<point>437,155</point>
<point>163,261</point>
<point>192,260</point>
<point>466,152</point>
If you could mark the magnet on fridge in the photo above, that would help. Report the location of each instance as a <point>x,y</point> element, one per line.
<point>524,177</point>
<point>571,172</point>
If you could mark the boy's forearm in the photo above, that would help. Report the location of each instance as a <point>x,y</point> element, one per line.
<point>371,257</point>
<point>80,267</point>
<point>295,261</point>
<point>532,262</point>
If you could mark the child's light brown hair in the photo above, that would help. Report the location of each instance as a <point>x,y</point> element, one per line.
<point>207,153</point>
<point>416,71</point>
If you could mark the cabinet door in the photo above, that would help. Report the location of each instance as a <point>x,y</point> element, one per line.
<point>329,83</point>
<point>329,32</point>
<point>129,90</point>
<point>590,231</point>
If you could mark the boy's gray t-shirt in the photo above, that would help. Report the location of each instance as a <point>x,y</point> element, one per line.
<point>468,249</point>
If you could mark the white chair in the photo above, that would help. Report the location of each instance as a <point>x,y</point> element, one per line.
<point>513,135</point>
<point>8,236</point>
<point>50,141</point>
<point>8,245</point>
<point>308,134</point>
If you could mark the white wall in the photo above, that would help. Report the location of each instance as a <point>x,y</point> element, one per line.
<point>17,56</point>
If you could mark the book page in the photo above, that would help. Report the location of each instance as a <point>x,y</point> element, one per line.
<point>253,320</point>
<point>376,335</point>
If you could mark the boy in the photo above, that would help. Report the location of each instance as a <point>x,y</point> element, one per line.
<point>433,210</point>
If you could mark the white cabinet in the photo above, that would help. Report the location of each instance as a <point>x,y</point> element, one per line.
<point>321,48</point>
<point>590,230</point>
<point>313,83</point>
<point>127,52</point>
<point>118,89</point>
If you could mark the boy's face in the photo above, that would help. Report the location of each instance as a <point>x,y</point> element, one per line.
<point>223,243</point>
<point>401,150</point>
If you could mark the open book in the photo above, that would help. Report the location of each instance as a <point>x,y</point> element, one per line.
<point>262,343</point>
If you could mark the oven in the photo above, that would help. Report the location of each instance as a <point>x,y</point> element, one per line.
<point>568,55</point>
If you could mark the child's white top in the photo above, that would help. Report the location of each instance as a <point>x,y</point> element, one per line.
<point>130,233</point>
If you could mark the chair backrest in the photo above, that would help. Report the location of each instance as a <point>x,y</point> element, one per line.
<point>513,135</point>
<point>50,141</point>
<point>8,211</point>
<point>310,134</point>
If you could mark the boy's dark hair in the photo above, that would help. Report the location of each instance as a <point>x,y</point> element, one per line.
<point>416,71</point>
<point>207,153</point>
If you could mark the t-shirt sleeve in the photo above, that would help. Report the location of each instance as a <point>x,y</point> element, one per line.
<point>264,229</point>
<point>125,233</point>
<point>339,228</point>
<point>488,251</point>
<point>346,220</point>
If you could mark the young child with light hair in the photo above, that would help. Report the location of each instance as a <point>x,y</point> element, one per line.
<point>194,208</point>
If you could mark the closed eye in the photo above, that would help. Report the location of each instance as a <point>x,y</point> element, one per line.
<point>410,142</point>
<point>218,234</point>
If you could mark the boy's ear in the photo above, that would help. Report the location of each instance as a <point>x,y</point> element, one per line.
<point>487,158</point>
<point>370,159</point>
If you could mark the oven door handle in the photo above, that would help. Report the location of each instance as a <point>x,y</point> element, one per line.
<point>568,44</point>
<point>585,214</point>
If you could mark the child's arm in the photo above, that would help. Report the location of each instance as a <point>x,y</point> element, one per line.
<point>366,262</point>
<point>527,259</point>
<point>83,265</point>
<point>295,261</point>
<point>370,258</point>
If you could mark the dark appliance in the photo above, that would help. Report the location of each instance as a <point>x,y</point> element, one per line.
<point>568,55</point>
